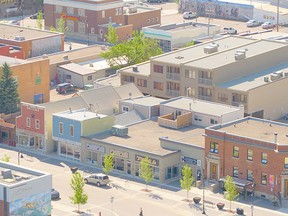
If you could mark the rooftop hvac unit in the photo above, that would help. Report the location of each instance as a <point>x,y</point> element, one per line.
<point>211,48</point>
<point>135,69</point>
<point>133,10</point>
<point>19,38</point>
<point>240,54</point>
<point>274,77</point>
<point>279,73</point>
<point>266,79</point>
<point>119,130</point>
<point>286,74</point>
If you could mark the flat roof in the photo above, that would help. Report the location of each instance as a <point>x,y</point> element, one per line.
<point>9,32</point>
<point>146,101</point>
<point>79,115</point>
<point>255,80</point>
<point>200,106</point>
<point>113,80</point>
<point>227,57</point>
<point>144,136</point>
<point>11,61</point>
<point>143,69</point>
<point>254,128</point>
<point>77,69</point>
<point>97,64</point>
<point>139,8</point>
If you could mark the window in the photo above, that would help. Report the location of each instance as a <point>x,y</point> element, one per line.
<point>286,163</point>
<point>70,25</point>
<point>103,14</point>
<point>250,175</point>
<point>141,82</point>
<point>92,30</point>
<point>117,11</point>
<point>28,122</point>
<point>158,68</point>
<point>68,76</point>
<point>235,172</point>
<point>213,121</point>
<point>250,155</point>
<point>189,74</point>
<point>60,128</point>
<point>264,158</point>
<point>158,85</point>
<point>81,12</point>
<point>148,20</point>
<point>263,179</point>
<point>71,130</point>
<point>120,11</point>
<point>59,9</point>
<point>127,78</point>
<point>89,77</point>
<point>236,151</point>
<point>197,118</point>
<point>125,109</point>
<point>222,97</point>
<point>81,27</point>
<point>171,172</point>
<point>70,10</point>
<point>37,124</point>
<point>214,147</point>
<point>189,91</point>
<point>174,70</point>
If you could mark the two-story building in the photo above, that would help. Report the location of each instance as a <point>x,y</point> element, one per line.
<point>231,70</point>
<point>253,151</point>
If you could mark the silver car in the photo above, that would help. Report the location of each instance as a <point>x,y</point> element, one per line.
<point>99,179</point>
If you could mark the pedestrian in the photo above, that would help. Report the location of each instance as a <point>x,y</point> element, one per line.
<point>141,212</point>
<point>70,47</point>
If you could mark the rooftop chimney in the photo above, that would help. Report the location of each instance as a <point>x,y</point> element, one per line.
<point>275,137</point>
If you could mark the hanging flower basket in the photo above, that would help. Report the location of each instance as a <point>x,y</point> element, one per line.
<point>220,206</point>
<point>197,200</point>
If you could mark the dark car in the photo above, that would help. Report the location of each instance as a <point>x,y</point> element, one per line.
<point>54,194</point>
<point>63,88</point>
<point>34,16</point>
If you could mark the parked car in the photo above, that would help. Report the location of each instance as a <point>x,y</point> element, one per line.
<point>99,179</point>
<point>54,194</point>
<point>252,23</point>
<point>154,1</point>
<point>14,22</point>
<point>268,25</point>
<point>189,15</point>
<point>230,30</point>
<point>63,88</point>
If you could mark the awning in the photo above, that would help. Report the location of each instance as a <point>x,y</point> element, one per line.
<point>239,182</point>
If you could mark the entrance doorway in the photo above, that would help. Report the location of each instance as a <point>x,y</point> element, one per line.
<point>213,171</point>
<point>128,167</point>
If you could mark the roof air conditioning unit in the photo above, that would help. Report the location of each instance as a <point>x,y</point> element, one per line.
<point>119,130</point>
<point>240,54</point>
<point>274,77</point>
<point>91,65</point>
<point>266,79</point>
<point>285,74</point>
<point>211,48</point>
<point>135,69</point>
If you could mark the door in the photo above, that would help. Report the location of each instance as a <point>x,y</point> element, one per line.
<point>213,171</point>
<point>128,168</point>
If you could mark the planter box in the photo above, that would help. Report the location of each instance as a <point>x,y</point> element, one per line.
<point>220,206</point>
<point>197,200</point>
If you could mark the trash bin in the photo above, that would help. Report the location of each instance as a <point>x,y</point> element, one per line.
<point>73,169</point>
<point>240,211</point>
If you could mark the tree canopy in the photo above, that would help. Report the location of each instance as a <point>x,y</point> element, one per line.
<point>145,171</point>
<point>112,36</point>
<point>60,26</point>
<point>39,21</point>
<point>108,163</point>
<point>133,51</point>
<point>187,181</point>
<point>9,97</point>
<point>231,191</point>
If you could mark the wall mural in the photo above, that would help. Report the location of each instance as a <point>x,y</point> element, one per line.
<point>36,205</point>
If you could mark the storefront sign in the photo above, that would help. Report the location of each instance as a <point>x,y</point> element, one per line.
<point>7,1</point>
<point>96,148</point>
<point>73,18</point>
<point>152,161</point>
<point>118,153</point>
<point>271,181</point>
<point>210,156</point>
<point>189,160</point>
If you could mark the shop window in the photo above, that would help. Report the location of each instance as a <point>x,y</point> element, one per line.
<point>250,155</point>
<point>264,158</point>
<point>37,124</point>
<point>60,128</point>
<point>171,172</point>
<point>70,25</point>
<point>28,122</point>
<point>62,149</point>
<point>235,172</point>
<point>236,151</point>
<point>286,163</point>
<point>250,175</point>
<point>214,147</point>
<point>263,179</point>
<point>71,130</point>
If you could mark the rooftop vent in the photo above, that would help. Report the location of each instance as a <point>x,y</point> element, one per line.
<point>266,79</point>
<point>133,10</point>
<point>211,48</point>
<point>91,65</point>
<point>276,75</point>
<point>65,57</point>
<point>135,69</point>
<point>240,54</point>
<point>19,38</point>
<point>179,57</point>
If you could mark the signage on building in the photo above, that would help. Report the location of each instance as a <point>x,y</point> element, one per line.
<point>271,181</point>
<point>189,160</point>
<point>152,161</point>
<point>96,148</point>
<point>38,79</point>
<point>7,1</point>
<point>118,153</point>
<point>69,17</point>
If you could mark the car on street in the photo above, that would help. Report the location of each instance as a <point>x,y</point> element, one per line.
<point>63,88</point>
<point>252,23</point>
<point>14,22</point>
<point>54,194</point>
<point>189,15</point>
<point>98,179</point>
<point>268,25</point>
<point>154,1</point>
<point>230,30</point>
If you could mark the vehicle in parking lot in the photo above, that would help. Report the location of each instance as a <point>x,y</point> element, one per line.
<point>252,23</point>
<point>230,30</point>
<point>54,194</point>
<point>63,88</point>
<point>154,1</point>
<point>268,25</point>
<point>99,179</point>
<point>189,15</point>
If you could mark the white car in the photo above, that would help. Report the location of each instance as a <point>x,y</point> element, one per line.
<point>189,15</point>
<point>268,25</point>
<point>252,23</point>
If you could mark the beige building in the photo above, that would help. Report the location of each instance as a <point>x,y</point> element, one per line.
<point>231,70</point>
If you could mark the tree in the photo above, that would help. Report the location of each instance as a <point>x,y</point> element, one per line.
<point>6,158</point>
<point>191,43</point>
<point>9,97</point>
<point>112,36</point>
<point>108,163</point>
<point>145,171</point>
<point>187,181</point>
<point>132,51</point>
<point>60,26</point>
<point>231,191</point>
<point>39,21</point>
<point>77,185</point>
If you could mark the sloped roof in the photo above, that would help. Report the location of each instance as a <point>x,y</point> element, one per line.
<point>128,91</point>
<point>127,118</point>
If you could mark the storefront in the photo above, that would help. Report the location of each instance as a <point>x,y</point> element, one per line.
<point>69,149</point>
<point>31,140</point>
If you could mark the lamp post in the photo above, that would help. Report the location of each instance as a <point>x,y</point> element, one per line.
<point>87,32</point>
<point>278,2</point>
<point>111,201</point>
<point>203,190</point>
<point>19,156</point>
<point>252,208</point>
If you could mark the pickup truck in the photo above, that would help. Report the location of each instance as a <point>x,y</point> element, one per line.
<point>230,30</point>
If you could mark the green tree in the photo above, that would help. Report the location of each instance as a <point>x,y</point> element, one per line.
<point>133,51</point>
<point>191,43</point>
<point>231,191</point>
<point>9,97</point>
<point>112,36</point>
<point>77,184</point>
<point>60,26</point>
<point>6,158</point>
<point>145,170</point>
<point>39,21</point>
<point>108,163</point>
<point>187,181</point>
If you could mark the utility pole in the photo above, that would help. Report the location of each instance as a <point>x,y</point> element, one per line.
<point>278,2</point>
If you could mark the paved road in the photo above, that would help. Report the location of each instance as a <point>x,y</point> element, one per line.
<point>129,195</point>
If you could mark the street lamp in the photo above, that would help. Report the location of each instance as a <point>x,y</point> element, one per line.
<point>252,208</point>
<point>203,188</point>
<point>87,32</point>
<point>111,201</point>
<point>19,156</point>
<point>278,2</point>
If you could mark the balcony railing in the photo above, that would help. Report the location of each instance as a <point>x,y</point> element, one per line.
<point>180,121</point>
<point>205,81</point>
<point>173,93</point>
<point>172,76</point>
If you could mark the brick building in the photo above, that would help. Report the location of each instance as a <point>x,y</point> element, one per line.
<point>253,151</point>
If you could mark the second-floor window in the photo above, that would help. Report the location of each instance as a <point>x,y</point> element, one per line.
<point>103,13</point>
<point>70,10</point>
<point>214,147</point>
<point>250,175</point>
<point>189,74</point>
<point>37,124</point>
<point>71,130</point>
<point>89,77</point>
<point>263,179</point>
<point>235,172</point>
<point>60,128</point>
<point>28,122</point>
<point>264,158</point>
<point>250,155</point>
<point>141,82</point>
<point>158,85</point>
<point>236,151</point>
<point>158,68</point>
<point>81,12</point>
<point>286,163</point>
<point>58,9</point>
